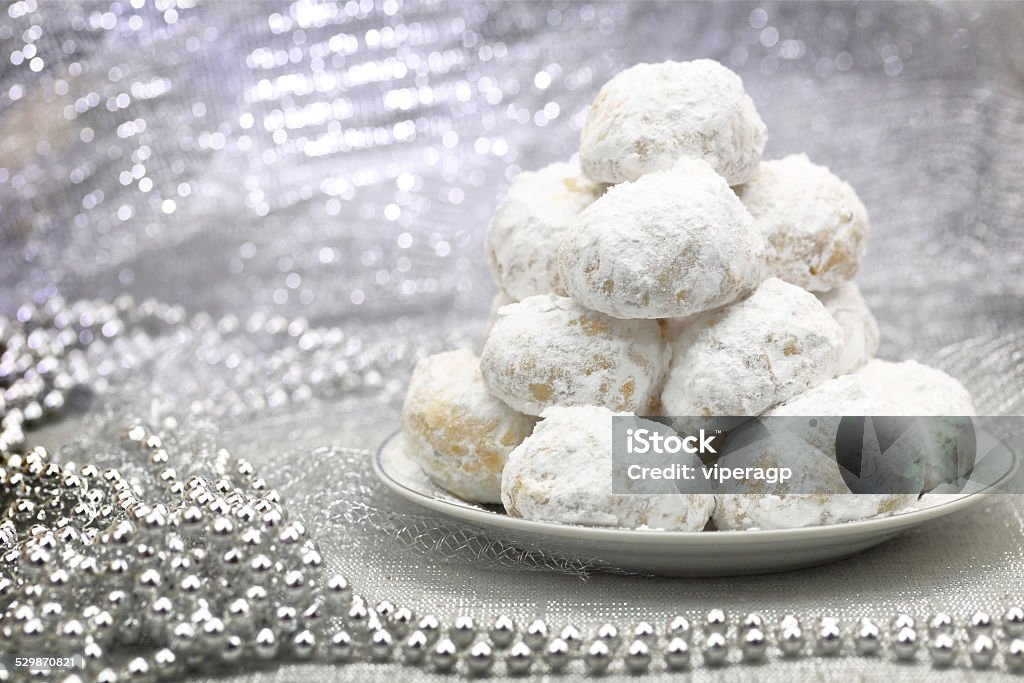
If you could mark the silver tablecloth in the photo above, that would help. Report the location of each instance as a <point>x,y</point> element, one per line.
<point>339,162</point>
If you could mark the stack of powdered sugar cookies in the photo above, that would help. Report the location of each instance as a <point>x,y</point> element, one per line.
<point>671,271</point>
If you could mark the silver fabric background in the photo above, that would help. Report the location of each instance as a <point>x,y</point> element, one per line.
<point>339,163</point>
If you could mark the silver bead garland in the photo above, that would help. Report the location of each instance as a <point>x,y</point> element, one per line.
<point>180,571</point>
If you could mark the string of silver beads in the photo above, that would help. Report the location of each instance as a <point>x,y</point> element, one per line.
<point>191,569</point>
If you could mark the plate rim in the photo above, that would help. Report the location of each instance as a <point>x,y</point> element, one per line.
<point>877,525</point>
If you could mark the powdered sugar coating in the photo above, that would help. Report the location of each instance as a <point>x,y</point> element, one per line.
<point>921,389</point>
<point>902,389</point>
<point>811,455</point>
<point>650,115</point>
<point>673,243</point>
<point>830,503</point>
<point>843,395</point>
<point>547,350</point>
<point>563,473</point>
<point>814,225</point>
<point>747,357</point>
<point>860,330</point>
<point>458,433</point>
<point>528,226</point>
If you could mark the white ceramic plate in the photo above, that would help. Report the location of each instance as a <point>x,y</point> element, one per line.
<point>679,553</point>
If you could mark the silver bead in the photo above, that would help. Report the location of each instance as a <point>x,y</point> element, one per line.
<point>571,636</point>
<point>982,651</point>
<point>415,647</point>
<point>940,623</point>
<point>519,659</point>
<point>608,634</point>
<point>233,649</point>
<point>183,637</point>
<point>1014,655</point>
<point>462,631</point>
<point>677,654</point>
<point>338,593</point>
<point>904,644</point>
<point>213,634</point>
<point>638,657</point>
<point>830,637</point>
<point>137,668</point>
<point>902,621</point>
<point>385,610</point>
<point>1013,622</point>
<point>444,655</point>
<point>791,641</point>
<point>503,631</point>
<point>715,621</point>
<point>643,631</point>
<point>980,623</point>
<point>536,634</point>
<point>942,649</point>
<point>357,618</point>
<point>401,621</point>
<point>381,644</point>
<point>753,645</point>
<point>265,644</point>
<point>341,647</point>
<point>557,654</point>
<point>597,657</point>
<point>303,644</point>
<point>752,620</point>
<point>430,627</point>
<point>679,627</point>
<point>715,649</point>
<point>789,621</point>
<point>166,664</point>
<point>868,640</point>
<point>480,658</point>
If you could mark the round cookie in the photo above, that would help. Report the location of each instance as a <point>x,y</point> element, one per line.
<point>882,388</point>
<point>925,391</point>
<point>860,330</point>
<point>890,451</point>
<point>752,355</point>
<point>547,350</point>
<point>528,226</point>
<point>816,495</point>
<point>563,473</point>
<point>458,433</point>
<point>671,244</point>
<point>814,225</point>
<point>651,115</point>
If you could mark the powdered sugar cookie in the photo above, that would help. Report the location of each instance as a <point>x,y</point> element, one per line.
<point>547,350</point>
<point>860,331</point>
<point>793,505</point>
<point>747,357</point>
<point>815,226</point>
<point>563,473</point>
<point>651,115</point>
<point>458,433</point>
<point>922,390</point>
<point>528,226</point>
<point>671,244</point>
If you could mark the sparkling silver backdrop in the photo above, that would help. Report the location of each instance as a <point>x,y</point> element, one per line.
<point>333,166</point>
